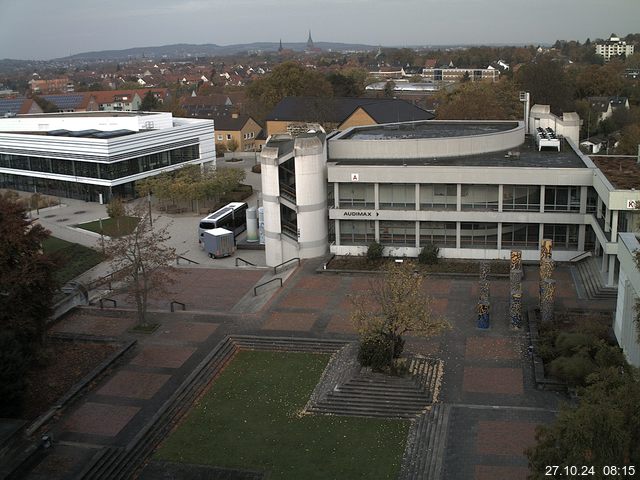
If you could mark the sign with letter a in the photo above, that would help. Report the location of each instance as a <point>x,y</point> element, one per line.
<point>355,177</point>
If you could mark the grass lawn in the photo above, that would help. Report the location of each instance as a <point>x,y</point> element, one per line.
<point>71,259</point>
<point>250,419</point>
<point>112,227</point>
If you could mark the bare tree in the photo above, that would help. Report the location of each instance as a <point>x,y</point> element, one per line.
<point>394,306</point>
<point>141,261</point>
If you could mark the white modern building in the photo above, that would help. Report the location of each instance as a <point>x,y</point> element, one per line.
<point>95,155</point>
<point>614,47</point>
<point>625,325</point>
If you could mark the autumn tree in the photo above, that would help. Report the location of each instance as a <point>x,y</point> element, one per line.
<point>629,140</point>
<point>27,280</point>
<point>141,261</point>
<point>603,430</point>
<point>286,79</point>
<point>481,101</point>
<point>548,84</point>
<point>395,305</point>
<point>232,145</point>
<point>116,210</point>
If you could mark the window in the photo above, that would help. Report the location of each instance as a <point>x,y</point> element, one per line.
<point>228,136</point>
<point>356,195</point>
<point>400,196</point>
<point>357,232</point>
<point>442,234</point>
<point>480,197</point>
<point>525,198</point>
<point>398,233</point>
<point>564,237</point>
<point>438,196</point>
<point>523,235</point>
<point>592,200</point>
<point>479,235</point>
<point>562,199</point>
<point>220,137</point>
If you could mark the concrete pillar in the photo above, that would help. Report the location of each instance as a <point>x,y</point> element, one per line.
<point>605,257</point>
<point>540,234</point>
<point>607,220</point>
<point>599,208</point>
<point>376,196</point>
<point>459,199</point>
<point>500,230</point>
<point>336,195</point>
<point>458,229</point>
<point>271,205</point>
<point>612,271</point>
<point>336,229</point>
<point>614,225</point>
<point>583,199</point>
<point>582,233</point>
<point>417,234</point>
<point>542,192</point>
<point>500,198</point>
<point>377,230</point>
<point>417,196</point>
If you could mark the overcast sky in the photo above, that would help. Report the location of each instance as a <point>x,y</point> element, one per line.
<point>45,29</point>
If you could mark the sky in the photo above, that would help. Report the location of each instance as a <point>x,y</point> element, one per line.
<point>42,29</point>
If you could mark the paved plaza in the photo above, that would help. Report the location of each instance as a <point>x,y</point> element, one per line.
<point>488,381</point>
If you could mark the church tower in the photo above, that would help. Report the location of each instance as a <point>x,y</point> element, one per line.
<point>310,45</point>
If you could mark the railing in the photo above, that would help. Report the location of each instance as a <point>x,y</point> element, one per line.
<point>106,280</point>
<point>246,262</point>
<point>287,192</point>
<point>175,302</point>
<point>296,259</point>
<point>255,289</point>
<point>290,229</point>
<point>580,256</point>
<point>113,302</point>
<point>180,257</point>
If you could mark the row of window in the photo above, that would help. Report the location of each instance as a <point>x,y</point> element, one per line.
<point>106,171</point>
<point>443,234</point>
<point>473,197</point>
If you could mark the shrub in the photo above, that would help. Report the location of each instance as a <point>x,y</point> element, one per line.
<point>379,352</point>
<point>256,168</point>
<point>13,366</point>
<point>374,251</point>
<point>574,369</point>
<point>429,254</point>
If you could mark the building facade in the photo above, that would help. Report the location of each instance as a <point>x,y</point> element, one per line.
<point>96,155</point>
<point>614,47</point>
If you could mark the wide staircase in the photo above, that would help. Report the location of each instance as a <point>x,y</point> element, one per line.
<point>369,394</point>
<point>592,281</point>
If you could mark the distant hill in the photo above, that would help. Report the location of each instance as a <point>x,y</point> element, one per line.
<point>182,50</point>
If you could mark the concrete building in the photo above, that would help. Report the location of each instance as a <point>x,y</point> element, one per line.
<point>625,325</point>
<point>94,155</point>
<point>613,47</point>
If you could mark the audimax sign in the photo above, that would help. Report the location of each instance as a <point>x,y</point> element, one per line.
<point>359,213</point>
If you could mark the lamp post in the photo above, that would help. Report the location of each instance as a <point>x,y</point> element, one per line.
<point>150,217</point>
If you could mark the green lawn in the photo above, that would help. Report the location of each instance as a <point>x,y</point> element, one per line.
<point>112,227</point>
<point>250,419</point>
<point>71,259</point>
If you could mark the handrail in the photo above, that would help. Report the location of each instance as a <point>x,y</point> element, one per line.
<point>115,304</point>
<point>245,261</point>
<point>107,279</point>
<point>255,289</point>
<point>580,256</point>
<point>178,257</point>
<point>284,263</point>
<point>175,302</point>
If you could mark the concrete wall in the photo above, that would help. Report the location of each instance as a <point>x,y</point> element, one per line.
<point>427,147</point>
<point>628,292</point>
<point>271,204</point>
<point>568,126</point>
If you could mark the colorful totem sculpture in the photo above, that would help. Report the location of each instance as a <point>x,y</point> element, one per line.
<point>515,283</point>
<point>483,300</point>
<point>547,285</point>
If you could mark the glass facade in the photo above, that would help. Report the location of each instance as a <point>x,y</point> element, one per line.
<point>354,232</point>
<point>561,199</point>
<point>442,234</point>
<point>564,237</point>
<point>523,235</point>
<point>521,198</point>
<point>398,233</point>
<point>397,196</point>
<point>480,197</point>
<point>478,235</point>
<point>356,195</point>
<point>438,196</point>
<point>99,170</point>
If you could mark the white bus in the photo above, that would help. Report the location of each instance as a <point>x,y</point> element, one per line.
<point>232,217</point>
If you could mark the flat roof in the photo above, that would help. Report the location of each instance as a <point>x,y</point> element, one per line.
<point>437,129</point>
<point>622,172</point>
<point>526,155</point>
<point>101,113</point>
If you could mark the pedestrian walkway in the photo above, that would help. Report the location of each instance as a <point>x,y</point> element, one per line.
<point>492,405</point>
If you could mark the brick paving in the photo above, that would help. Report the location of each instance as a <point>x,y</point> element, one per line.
<point>100,419</point>
<point>493,380</point>
<point>134,384</point>
<point>487,375</point>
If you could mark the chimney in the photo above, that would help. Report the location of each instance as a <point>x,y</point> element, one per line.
<point>234,115</point>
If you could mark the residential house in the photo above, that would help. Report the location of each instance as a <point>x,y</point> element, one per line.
<point>18,106</point>
<point>239,128</point>
<point>208,106</point>
<point>54,85</point>
<point>613,47</point>
<point>605,106</point>
<point>292,113</point>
